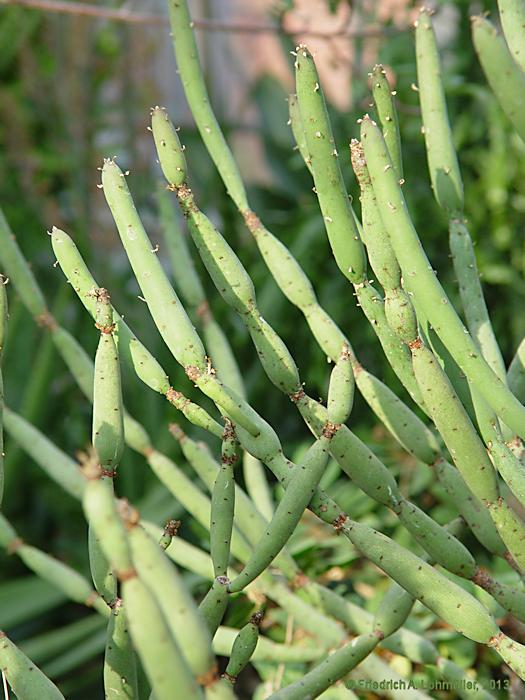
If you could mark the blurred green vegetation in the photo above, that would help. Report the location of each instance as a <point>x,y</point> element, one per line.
<point>69,96</point>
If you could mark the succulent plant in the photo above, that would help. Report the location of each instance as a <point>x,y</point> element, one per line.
<point>158,636</point>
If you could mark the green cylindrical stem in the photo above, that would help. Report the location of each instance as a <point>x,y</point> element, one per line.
<point>296,123</point>
<point>103,577</point>
<point>101,511</point>
<point>405,426</point>
<point>512,652</point>
<point>355,459</point>
<point>3,328</point>
<point>191,497</point>
<point>511,598</point>
<point>329,184</point>
<point>273,354</point>
<point>287,272</point>
<point>445,598</point>
<point>442,159</point>
<point>387,113</point>
<point>248,517</point>
<point>76,358</point>
<point>120,672</point>
<point>130,348</point>
<point>24,678</point>
<point>341,389</point>
<point>235,286</point>
<point>58,574</point>
<point>442,546</point>
<point>516,373</point>
<point>168,314</point>
<point>299,491</point>
<point>393,610</point>
<point>174,600</point>
<point>395,351</point>
<point>213,606</point>
<point>257,485</point>
<point>512,15</point>
<point>223,504</point>
<point>16,267</point>
<point>379,250</point>
<point>73,584</point>
<point>221,354</point>
<point>183,553</point>
<point>185,275</point>
<point>161,657</point>
<point>223,265</point>
<point>475,514</point>
<point>471,293</point>
<point>511,529</point>
<point>405,642</point>
<point>171,153</point>
<point>400,314</point>
<point>426,287</point>
<point>108,424</point>
<point>192,78</point>
<point>194,413</point>
<point>266,650</point>
<point>497,61</point>
<point>243,647</point>
<point>53,461</point>
<point>454,425</point>
<point>192,292</point>
<point>457,675</point>
<point>509,466</point>
<point>330,670</point>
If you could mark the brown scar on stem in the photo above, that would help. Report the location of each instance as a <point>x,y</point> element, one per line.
<point>209,678</point>
<point>482,579</point>
<point>203,311</point>
<point>177,432</point>
<point>129,514</point>
<point>330,429</point>
<point>495,640</point>
<point>252,220</point>
<point>46,320</point>
<point>193,373</point>
<point>126,575</point>
<point>107,330</point>
<point>415,344</point>
<point>14,545</point>
<point>185,197</point>
<point>229,430</point>
<point>92,598</point>
<point>296,396</point>
<point>339,522</point>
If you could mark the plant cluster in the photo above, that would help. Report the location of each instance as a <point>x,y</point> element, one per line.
<point>462,415</point>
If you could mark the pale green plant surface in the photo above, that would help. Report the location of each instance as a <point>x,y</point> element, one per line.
<point>165,604</point>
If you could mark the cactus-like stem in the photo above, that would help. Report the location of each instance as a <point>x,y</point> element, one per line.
<point>24,678</point>
<point>425,285</point>
<point>387,114</point>
<point>3,324</point>
<point>512,16</point>
<point>497,61</point>
<point>120,672</point>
